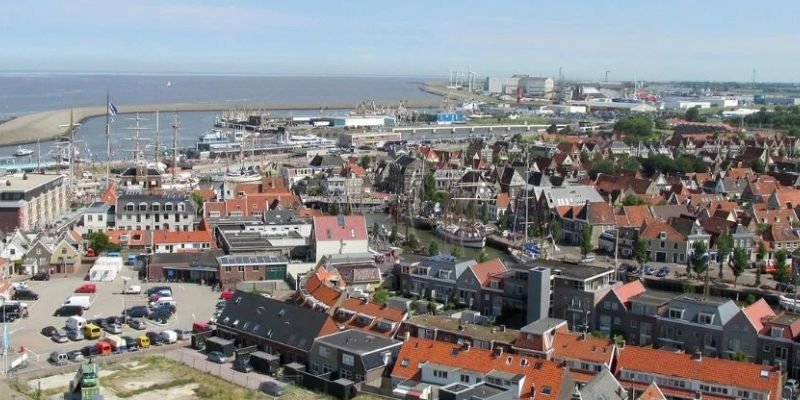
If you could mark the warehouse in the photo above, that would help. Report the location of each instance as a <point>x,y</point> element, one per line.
<point>360,121</point>
<point>356,139</point>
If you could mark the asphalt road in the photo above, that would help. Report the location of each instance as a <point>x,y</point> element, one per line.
<point>195,303</point>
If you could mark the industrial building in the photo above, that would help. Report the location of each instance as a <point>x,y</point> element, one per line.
<point>355,139</point>
<point>498,84</point>
<point>28,201</point>
<point>450,118</point>
<point>357,121</point>
<point>542,87</point>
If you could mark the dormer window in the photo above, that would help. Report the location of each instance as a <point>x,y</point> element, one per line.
<point>776,332</point>
<point>675,313</point>
<point>705,318</point>
<point>662,235</point>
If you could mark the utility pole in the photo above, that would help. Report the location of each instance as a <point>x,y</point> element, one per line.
<point>607,71</point>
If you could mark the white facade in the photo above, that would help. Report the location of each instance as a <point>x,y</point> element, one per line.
<point>93,220</point>
<point>496,84</point>
<point>325,247</point>
<point>105,269</point>
<point>566,109</point>
<point>680,104</point>
<point>537,86</point>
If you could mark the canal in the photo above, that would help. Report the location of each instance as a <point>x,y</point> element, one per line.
<point>426,237</point>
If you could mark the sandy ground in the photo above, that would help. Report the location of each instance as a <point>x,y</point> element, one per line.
<point>45,125</point>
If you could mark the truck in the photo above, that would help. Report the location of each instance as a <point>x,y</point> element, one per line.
<point>75,323</point>
<point>118,344</point>
<point>83,301</point>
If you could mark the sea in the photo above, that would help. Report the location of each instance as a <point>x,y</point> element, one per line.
<point>23,93</point>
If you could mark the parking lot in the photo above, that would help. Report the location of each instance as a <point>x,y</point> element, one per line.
<point>194,303</point>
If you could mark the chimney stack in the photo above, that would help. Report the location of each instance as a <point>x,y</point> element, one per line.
<point>697,355</point>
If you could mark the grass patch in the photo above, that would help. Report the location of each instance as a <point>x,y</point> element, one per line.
<point>158,386</point>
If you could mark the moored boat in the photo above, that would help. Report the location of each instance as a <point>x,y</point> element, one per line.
<point>22,152</point>
<point>466,236</point>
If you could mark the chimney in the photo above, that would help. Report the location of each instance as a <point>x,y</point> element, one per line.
<point>698,395</point>
<point>406,336</point>
<point>502,328</point>
<point>466,345</point>
<point>697,355</point>
<point>498,351</point>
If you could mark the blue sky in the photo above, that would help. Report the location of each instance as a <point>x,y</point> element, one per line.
<point>655,40</point>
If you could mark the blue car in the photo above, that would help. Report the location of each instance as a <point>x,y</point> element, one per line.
<point>663,272</point>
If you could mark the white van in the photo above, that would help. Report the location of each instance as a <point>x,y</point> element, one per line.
<point>83,301</point>
<point>169,336</point>
<point>75,323</point>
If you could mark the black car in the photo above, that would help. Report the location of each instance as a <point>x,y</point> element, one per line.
<point>785,287</point>
<point>156,289</point>
<point>155,338</point>
<point>48,331</point>
<point>130,343</point>
<point>24,294</point>
<point>69,310</point>
<point>242,365</point>
<point>89,351</point>
<point>99,322</point>
<point>137,312</point>
<point>40,276</point>
<point>6,317</point>
<point>114,320</point>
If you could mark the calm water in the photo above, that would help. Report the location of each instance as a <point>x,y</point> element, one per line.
<point>26,93</point>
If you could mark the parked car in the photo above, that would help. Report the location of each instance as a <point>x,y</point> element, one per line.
<point>183,334</point>
<point>242,365</point>
<point>226,295</point>
<point>155,338</point>
<point>648,270</point>
<point>48,331</point>
<point>137,324</point>
<point>19,285</point>
<point>60,337</point>
<point>75,356</point>
<point>133,289</point>
<point>75,335</point>
<point>662,272</point>
<point>792,384</point>
<point>89,350</point>
<point>58,357</point>
<point>784,287</point>
<point>272,388</point>
<point>633,269</point>
<point>221,304</point>
<point>40,276</point>
<point>87,288</point>
<point>131,343</point>
<point>218,357</point>
<point>24,294</point>
<point>156,289</point>
<point>113,328</point>
<point>114,320</point>
<point>5,317</point>
<point>69,310</point>
<point>137,312</point>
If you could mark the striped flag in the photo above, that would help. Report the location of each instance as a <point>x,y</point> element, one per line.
<point>112,110</point>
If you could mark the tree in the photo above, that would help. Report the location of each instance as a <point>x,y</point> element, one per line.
<point>198,200</point>
<point>761,255</point>
<point>781,267</point>
<point>100,242</point>
<point>629,163</point>
<point>429,187</point>
<point>333,209</point>
<point>411,240</point>
<point>633,200</point>
<point>637,128</point>
<point>381,296</point>
<point>700,259</point>
<point>393,237</point>
<point>555,231</point>
<point>586,240</point>
<point>757,166</point>
<point>483,256</point>
<point>433,248</point>
<point>364,161</point>
<point>602,166</point>
<point>456,251</point>
<point>738,263</point>
<point>641,252</point>
<point>693,115</point>
<point>724,247</point>
<point>661,124</point>
<point>376,229</point>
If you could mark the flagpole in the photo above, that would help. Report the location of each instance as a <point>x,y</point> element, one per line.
<point>108,142</point>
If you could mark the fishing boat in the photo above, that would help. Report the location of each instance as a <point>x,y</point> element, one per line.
<point>466,236</point>
<point>22,152</point>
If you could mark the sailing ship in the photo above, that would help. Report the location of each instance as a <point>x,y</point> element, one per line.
<point>529,252</point>
<point>467,236</point>
<point>22,152</point>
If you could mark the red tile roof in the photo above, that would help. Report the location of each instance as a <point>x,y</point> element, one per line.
<point>652,393</point>
<point>502,201</point>
<point>539,373</point>
<point>374,309</point>
<point>628,290</point>
<point>486,269</point>
<point>757,313</point>
<point>317,287</point>
<point>327,228</point>
<point>637,215</point>
<point>653,229</point>
<point>110,195</point>
<point>169,237</point>
<point>710,370</point>
<point>592,349</point>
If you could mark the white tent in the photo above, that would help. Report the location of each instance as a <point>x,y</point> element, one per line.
<point>105,269</point>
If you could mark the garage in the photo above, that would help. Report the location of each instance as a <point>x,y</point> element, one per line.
<point>661,256</point>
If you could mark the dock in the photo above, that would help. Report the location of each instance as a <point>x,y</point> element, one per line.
<point>499,242</point>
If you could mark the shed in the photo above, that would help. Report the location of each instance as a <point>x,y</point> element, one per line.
<point>221,345</point>
<point>265,362</point>
<point>105,269</point>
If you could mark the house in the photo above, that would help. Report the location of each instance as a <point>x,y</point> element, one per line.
<point>279,328</point>
<point>440,364</point>
<point>778,336</point>
<point>458,329</point>
<point>598,216</point>
<point>66,256</point>
<point>585,356</point>
<point>602,386</point>
<point>369,316</point>
<point>695,323</point>
<point>94,218</point>
<point>404,173</point>
<point>155,212</point>
<point>674,241</point>
<point>177,242</point>
<point>339,235</point>
<point>15,246</point>
<point>780,236</point>
<point>683,375</point>
<point>353,355</point>
<point>353,271</point>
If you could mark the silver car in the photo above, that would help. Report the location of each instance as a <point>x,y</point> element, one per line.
<point>113,328</point>
<point>75,335</point>
<point>60,336</point>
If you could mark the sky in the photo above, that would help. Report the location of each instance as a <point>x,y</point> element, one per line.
<point>646,40</point>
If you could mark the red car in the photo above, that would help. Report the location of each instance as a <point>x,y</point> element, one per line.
<point>87,288</point>
<point>226,295</point>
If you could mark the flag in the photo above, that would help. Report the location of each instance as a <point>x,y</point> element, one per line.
<point>112,110</point>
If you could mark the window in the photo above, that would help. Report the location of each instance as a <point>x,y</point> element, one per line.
<point>633,323</point>
<point>675,246</point>
<point>675,313</point>
<point>348,359</point>
<point>440,374</point>
<point>324,352</point>
<point>227,269</point>
<point>241,268</point>
<point>464,378</point>
<point>617,321</point>
<point>255,268</point>
<point>776,332</point>
<point>705,318</point>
